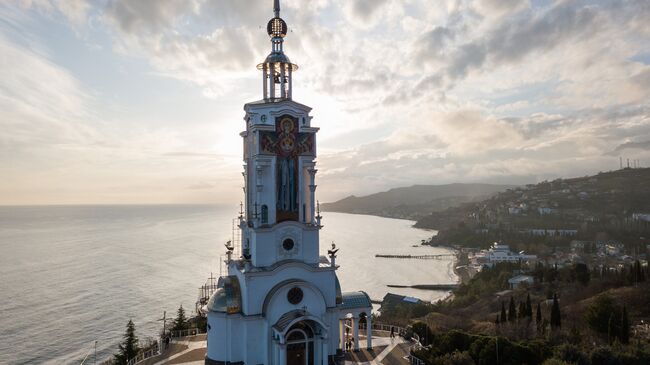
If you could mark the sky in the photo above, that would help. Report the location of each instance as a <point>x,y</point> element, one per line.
<point>128,102</point>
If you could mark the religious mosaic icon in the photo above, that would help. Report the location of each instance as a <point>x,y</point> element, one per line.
<point>287,144</point>
<point>286,140</point>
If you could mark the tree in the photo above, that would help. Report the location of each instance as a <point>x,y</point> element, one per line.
<point>611,329</point>
<point>512,310</point>
<point>129,348</point>
<point>456,358</point>
<point>538,317</point>
<point>529,307</point>
<point>522,310</point>
<point>638,270</point>
<point>599,312</point>
<point>582,273</point>
<point>180,323</point>
<point>424,332</point>
<point>504,317</point>
<point>556,318</point>
<point>625,327</point>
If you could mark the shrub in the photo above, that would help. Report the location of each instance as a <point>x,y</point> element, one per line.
<point>598,314</point>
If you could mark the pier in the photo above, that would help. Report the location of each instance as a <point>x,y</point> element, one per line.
<point>419,257</point>
<point>427,286</point>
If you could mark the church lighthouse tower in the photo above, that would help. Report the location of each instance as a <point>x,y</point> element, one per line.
<point>280,302</point>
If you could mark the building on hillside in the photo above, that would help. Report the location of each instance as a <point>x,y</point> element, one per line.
<point>545,210</point>
<point>281,302</point>
<point>516,281</point>
<point>553,232</point>
<point>393,299</point>
<point>500,253</point>
<point>644,217</point>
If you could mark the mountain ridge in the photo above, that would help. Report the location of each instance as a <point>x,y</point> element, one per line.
<point>415,201</point>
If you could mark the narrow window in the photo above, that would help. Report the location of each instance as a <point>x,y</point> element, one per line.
<point>265,214</point>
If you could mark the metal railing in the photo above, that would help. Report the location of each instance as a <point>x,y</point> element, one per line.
<point>185,333</point>
<point>415,361</point>
<point>143,355</point>
<point>400,331</point>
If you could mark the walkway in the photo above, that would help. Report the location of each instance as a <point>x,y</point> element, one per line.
<point>385,351</point>
<point>387,356</point>
<point>193,355</point>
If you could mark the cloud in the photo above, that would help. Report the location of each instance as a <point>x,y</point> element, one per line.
<point>405,92</point>
<point>644,145</point>
<point>40,103</point>
<point>363,13</point>
<point>498,8</point>
<point>148,16</point>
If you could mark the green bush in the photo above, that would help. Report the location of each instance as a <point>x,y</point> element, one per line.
<point>483,349</point>
<point>600,312</point>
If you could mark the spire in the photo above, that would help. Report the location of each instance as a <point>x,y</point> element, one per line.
<point>276,8</point>
<point>277,69</point>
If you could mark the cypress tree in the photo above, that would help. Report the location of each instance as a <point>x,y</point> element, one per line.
<point>529,307</point>
<point>521,311</point>
<point>625,327</point>
<point>639,272</point>
<point>556,321</point>
<point>504,317</point>
<point>497,320</point>
<point>129,348</point>
<point>512,311</point>
<point>538,318</point>
<point>611,329</point>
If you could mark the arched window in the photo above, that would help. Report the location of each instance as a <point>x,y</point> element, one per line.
<point>265,214</point>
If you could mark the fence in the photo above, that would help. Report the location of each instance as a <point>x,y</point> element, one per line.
<point>143,355</point>
<point>401,331</point>
<point>184,333</point>
<point>155,349</point>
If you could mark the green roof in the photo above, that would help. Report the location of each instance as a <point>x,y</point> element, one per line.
<point>356,299</point>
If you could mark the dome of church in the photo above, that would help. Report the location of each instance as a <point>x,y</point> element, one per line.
<point>227,297</point>
<point>277,58</point>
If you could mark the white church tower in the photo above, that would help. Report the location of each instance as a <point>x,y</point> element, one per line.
<point>281,302</point>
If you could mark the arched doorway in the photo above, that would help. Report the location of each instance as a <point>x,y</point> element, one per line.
<point>300,344</point>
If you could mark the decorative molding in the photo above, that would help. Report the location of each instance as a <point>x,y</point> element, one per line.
<point>294,234</point>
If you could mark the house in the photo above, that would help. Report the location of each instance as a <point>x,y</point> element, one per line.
<point>514,211</point>
<point>391,300</point>
<point>545,210</point>
<point>645,217</point>
<point>500,253</point>
<point>515,281</point>
<point>553,232</point>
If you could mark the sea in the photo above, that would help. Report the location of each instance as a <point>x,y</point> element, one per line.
<point>71,277</point>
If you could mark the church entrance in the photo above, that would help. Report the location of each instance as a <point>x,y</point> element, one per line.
<point>300,345</point>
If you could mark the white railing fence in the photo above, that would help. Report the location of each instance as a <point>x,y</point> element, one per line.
<point>400,331</point>
<point>185,333</point>
<point>143,355</point>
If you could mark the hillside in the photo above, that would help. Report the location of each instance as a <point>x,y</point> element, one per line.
<point>610,205</point>
<point>415,201</point>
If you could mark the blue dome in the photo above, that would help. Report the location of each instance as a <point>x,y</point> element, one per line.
<point>227,297</point>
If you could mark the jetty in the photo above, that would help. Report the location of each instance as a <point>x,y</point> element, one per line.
<point>427,286</point>
<point>419,257</point>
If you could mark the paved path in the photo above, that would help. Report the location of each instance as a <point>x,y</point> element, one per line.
<point>390,344</point>
<point>191,346</point>
<point>387,344</point>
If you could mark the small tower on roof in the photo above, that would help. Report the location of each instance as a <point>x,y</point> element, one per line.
<point>277,69</point>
